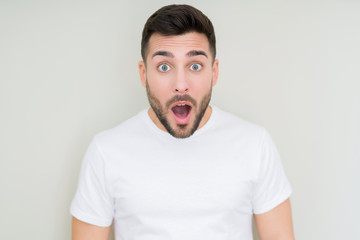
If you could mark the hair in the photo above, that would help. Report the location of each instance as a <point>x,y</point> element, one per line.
<point>177,20</point>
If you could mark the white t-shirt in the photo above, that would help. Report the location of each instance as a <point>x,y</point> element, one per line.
<point>157,187</point>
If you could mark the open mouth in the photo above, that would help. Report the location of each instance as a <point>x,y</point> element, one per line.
<point>181,112</point>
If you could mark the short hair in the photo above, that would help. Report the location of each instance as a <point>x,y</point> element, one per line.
<point>177,20</point>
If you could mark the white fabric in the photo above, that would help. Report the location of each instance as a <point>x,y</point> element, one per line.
<point>157,187</point>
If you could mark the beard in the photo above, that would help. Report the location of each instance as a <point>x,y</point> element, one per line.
<point>181,130</point>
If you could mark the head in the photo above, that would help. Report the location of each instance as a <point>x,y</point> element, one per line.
<point>175,20</point>
<point>179,68</point>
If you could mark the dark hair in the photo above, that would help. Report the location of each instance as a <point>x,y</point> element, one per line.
<point>177,20</point>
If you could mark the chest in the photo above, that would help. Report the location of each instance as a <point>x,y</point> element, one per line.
<point>180,184</point>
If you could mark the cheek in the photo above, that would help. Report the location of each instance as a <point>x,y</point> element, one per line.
<point>160,83</point>
<point>159,89</point>
<point>201,83</point>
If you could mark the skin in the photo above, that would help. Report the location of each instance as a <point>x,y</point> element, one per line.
<point>275,224</point>
<point>85,231</point>
<point>179,69</point>
<point>182,78</point>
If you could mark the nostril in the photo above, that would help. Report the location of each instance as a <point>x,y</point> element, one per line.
<point>181,90</point>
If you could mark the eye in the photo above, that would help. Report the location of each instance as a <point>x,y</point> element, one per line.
<point>196,67</point>
<point>164,68</point>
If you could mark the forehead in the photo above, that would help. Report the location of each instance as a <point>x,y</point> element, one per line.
<point>178,44</point>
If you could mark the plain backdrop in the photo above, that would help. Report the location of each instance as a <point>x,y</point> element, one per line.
<point>68,70</point>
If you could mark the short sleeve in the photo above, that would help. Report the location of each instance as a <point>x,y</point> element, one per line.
<point>272,186</point>
<point>93,203</point>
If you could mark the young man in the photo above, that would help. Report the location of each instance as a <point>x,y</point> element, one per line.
<point>181,170</point>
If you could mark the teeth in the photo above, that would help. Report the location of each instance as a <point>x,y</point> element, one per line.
<point>181,104</point>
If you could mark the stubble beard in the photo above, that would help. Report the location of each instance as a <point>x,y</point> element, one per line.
<point>182,130</point>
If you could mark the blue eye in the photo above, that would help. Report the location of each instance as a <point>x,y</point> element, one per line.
<point>195,67</point>
<point>164,68</point>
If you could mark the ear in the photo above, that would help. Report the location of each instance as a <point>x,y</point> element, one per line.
<point>215,71</point>
<point>142,72</point>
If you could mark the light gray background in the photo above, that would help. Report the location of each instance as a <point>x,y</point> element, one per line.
<point>68,69</point>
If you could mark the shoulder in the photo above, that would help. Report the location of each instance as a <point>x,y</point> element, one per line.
<point>229,124</point>
<point>124,132</point>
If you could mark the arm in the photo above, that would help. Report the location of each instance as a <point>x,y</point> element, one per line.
<point>85,231</point>
<point>275,224</point>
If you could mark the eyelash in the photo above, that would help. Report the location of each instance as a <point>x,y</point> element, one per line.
<point>200,66</point>
<point>161,64</point>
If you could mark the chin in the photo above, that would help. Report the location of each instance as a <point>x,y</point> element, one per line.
<point>181,130</point>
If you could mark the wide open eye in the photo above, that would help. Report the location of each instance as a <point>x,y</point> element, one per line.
<point>196,67</point>
<point>164,68</point>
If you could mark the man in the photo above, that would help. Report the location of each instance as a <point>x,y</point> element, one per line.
<point>181,169</point>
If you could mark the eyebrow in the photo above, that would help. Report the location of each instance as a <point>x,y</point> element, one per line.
<point>196,53</point>
<point>163,53</point>
<point>189,54</point>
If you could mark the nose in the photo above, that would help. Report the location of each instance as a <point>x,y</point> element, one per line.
<point>181,84</point>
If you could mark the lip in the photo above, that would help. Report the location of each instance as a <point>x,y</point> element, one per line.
<point>181,102</point>
<point>182,121</point>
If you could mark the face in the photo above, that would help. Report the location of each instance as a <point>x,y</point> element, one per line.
<point>179,75</point>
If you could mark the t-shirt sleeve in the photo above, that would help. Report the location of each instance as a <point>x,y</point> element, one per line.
<point>93,203</point>
<point>272,186</point>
